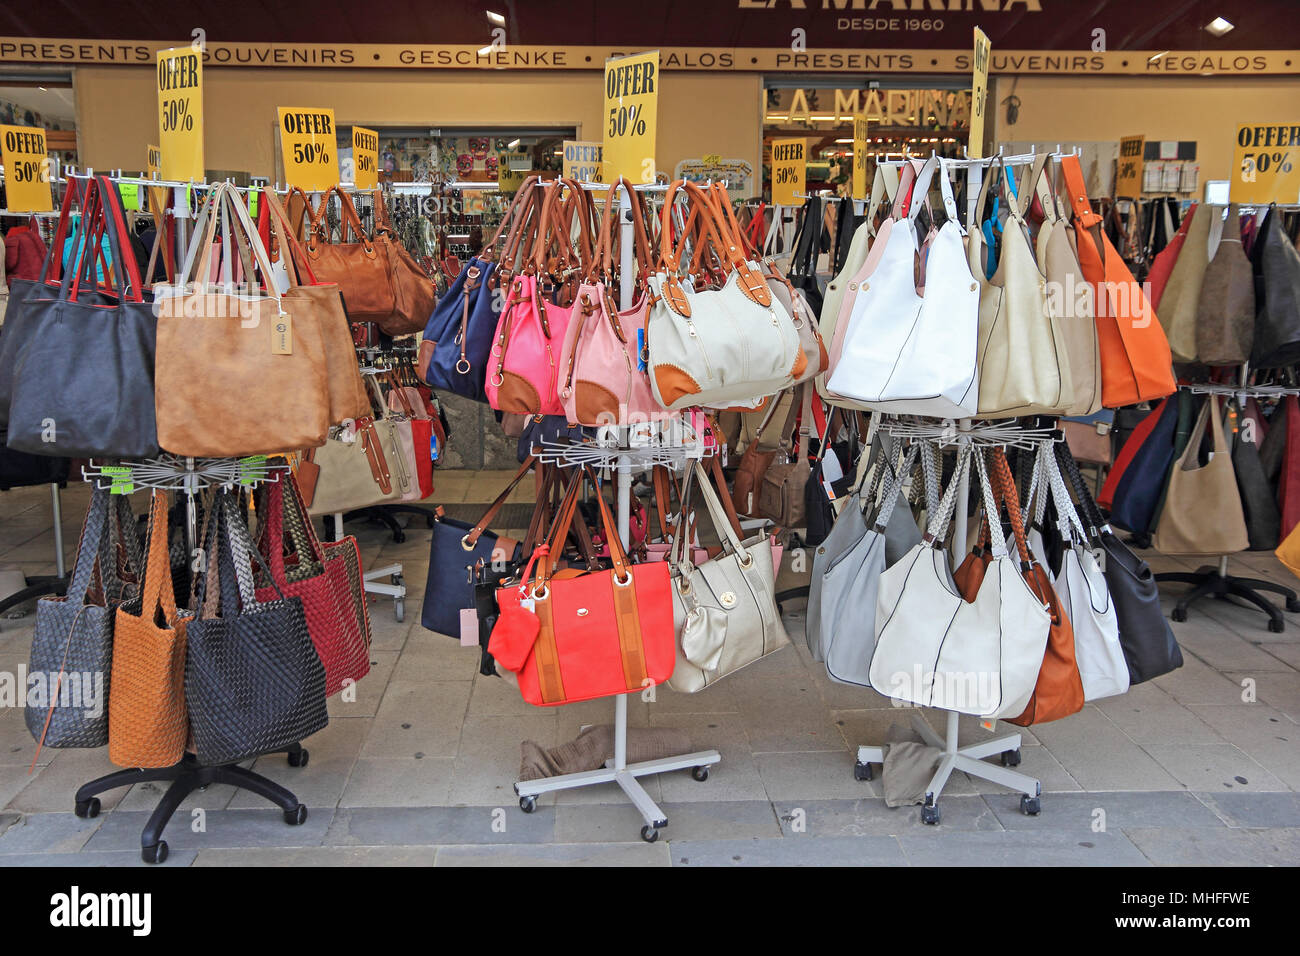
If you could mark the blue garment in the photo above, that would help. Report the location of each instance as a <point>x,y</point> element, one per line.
<point>74,242</point>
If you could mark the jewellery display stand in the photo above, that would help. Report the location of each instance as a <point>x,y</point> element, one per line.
<point>189,476</point>
<point>624,459</point>
<point>42,584</point>
<point>1215,581</point>
<point>968,758</point>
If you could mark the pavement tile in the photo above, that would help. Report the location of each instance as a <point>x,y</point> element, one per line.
<point>398,782</point>
<point>1279,690</point>
<point>114,858</point>
<point>1171,846</point>
<point>221,828</point>
<point>793,777</point>
<point>362,699</point>
<point>721,820</point>
<point>1100,756</point>
<point>318,856</point>
<point>735,777</point>
<point>1256,809</point>
<point>1197,683</point>
<point>564,854</point>
<point>331,755</point>
<point>53,788</point>
<point>418,717</point>
<point>48,833</point>
<point>1120,810</point>
<point>1146,714</point>
<point>487,765</point>
<point>870,817</point>
<point>806,851</point>
<point>422,826</point>
<point>1022,848</point>
<point>1213,766</point>
<point>1262,733</point>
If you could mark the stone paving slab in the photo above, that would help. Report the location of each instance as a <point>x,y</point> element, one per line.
<point>1119,811</point>
<point>318,856</point>
<point>1171,846</point>
<point>1022,848</point>
<point>49,833</point>
<point>810,851</point>
<point>1256,809</point>
<point>225,828</point>
<point>420,826</point>
<point>561,854</point>
<point>686,821</point>
<point>870,817</point>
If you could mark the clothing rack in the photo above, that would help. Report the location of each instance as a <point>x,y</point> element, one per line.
<point>969,758</point>
<point>622,459</point>
<point>41,584</point>
<point>190,476</point>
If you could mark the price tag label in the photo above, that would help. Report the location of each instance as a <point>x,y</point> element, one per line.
<point>252,470</point>
<point>584,161</point>
<point>861,129</point>
<point>282,335</point>
<point>979,93</point>
<point>309,148</point>
<point>180,113</point>
<point>27,169</point>
<point>365,158</point>
<point>123,483</point>
<point>631,114</point>
<point>789,169</point>
<point>1266,164</point>
<point>1128,175</point>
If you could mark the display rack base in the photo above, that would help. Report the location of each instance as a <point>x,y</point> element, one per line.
<point>970,759</point>
<point>372,580</point>
<point>386,515</point>
<point>186,777</point>
<point>37,586</point>
<point>1213,582</point>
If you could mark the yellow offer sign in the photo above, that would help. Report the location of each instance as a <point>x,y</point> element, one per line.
<point>631,113</point>
<point>789,167</point>
<point>27,171</point>
<point>979,94</point>
<point>365,158</point>
<point>584,161</point>
<point>1266,164</point>
<point>309,148</point>
<point>180,113</point>
<point>1128,174</point>
<point>861,126</point>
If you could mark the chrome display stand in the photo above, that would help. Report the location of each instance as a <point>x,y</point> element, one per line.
<point>968,758</point>
<point>624,458</point>
<point>42,584</point>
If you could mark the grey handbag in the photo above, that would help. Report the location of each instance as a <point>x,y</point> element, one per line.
<point>72,648</point>
<point>724,611</point>
<point>848,588</point>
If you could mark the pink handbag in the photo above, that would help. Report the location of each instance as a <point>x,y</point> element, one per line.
<point>604,379</point>
<point>525,377</point>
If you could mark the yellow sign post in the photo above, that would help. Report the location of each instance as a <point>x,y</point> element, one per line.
<point>27,170</point>
<point>309,148</point>
<point>789,169</point>
<point>1128,175</point>
<point>631,114</point>
<point>1266,164</point>
<point>584,161</point>
<point>365,158</point>
<point>979,94</point>
<point>180,113</point>
<point>861,127</point>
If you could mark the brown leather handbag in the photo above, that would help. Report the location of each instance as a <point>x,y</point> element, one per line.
<point>148,722</point>
<point>379,280</point>
<point>1225,318</point>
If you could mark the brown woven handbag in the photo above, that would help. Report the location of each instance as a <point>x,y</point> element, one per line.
<point>148,723</point>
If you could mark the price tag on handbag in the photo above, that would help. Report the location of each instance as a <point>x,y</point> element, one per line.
<point>122,480</point>
<point>831,473</point>
<point>282,335</point>
<point>252,470</point>
<point>468,627</point>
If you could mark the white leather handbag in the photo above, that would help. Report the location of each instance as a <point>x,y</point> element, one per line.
<point>910,351</point>
<point>935,649</point>
<point>719,347</point>
<point>724,610</point>
<point>1024,365</point>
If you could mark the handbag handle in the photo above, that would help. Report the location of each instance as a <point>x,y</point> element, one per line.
<point>937,527</point>
<point>157,593</point>
<point>546,557</point>
<point>471,539</point>
<point>1011,501</point>
<point>294,256</point>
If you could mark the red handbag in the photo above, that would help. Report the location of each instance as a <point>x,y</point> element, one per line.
<point>585,635</point>
<point>321,581</point>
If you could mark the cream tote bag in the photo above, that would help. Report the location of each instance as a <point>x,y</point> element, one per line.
<point>910,351</point>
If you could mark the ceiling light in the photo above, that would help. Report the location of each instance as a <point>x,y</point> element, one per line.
<point>485,50</point>
<point>513,144</point>
<point>496,18</point>
<point>1154,57</point>
<point>844,141</point>
<point>1218,26</point>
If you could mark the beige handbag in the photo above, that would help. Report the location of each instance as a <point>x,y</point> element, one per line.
<point>361,467</point>
<point>1179,303</point>
<point>724,611</point>
<point>1078,326</point>
<point>805,320</point>
<point>1024,366</point>
<point>1202,513</point>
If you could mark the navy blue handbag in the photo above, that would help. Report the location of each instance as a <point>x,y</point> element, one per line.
<point>1142,488</point>
<point>457,340</point>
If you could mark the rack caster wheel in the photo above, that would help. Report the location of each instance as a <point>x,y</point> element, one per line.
<point>1178,614</point>
<point>1011,758</point>
<point>1277,627</point>
<point>700,773</point>
<point>398,536</point>
<point>528,804</point>
<point>299,758</point>
<point>399,610</point>
<point>154,854</point>
<point>1030,806</point>
<point>297,816</point>
<point>649,834</point>
<point>861,771</point>
<point>930,814</point>
<point>87,809</point>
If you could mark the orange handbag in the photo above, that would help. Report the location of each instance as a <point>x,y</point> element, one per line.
<point>1136,364</point>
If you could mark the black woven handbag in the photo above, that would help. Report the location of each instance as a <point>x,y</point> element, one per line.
<point>72,647</point>
<point>254,683</point>
<point>1144,635</point>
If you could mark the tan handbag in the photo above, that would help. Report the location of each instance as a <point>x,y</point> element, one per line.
<point>1202,513</point>
<point>1060,263</point>
<point>238,374</point>
<point>1180,302</point>
<point>1023,363</point>
<point>362,467</point>
<point>1225,313</point>
<point>380,281</point>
